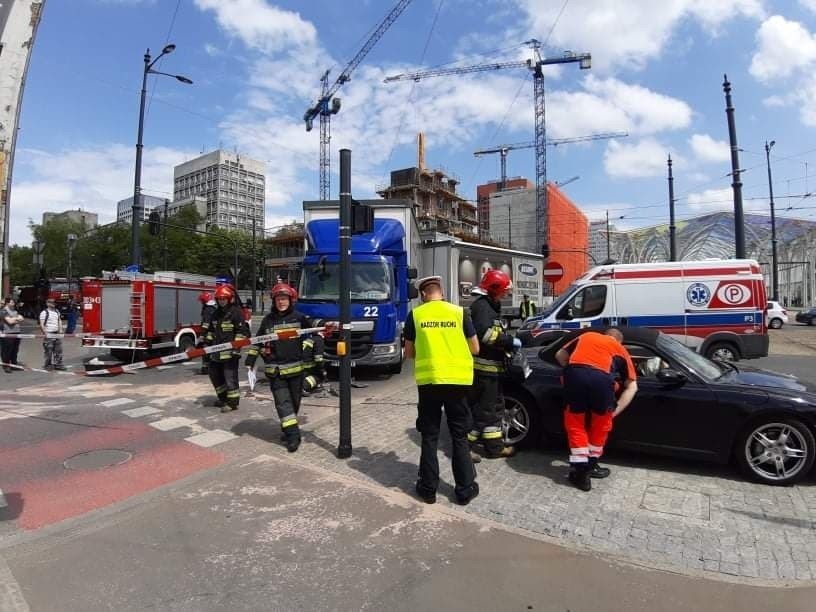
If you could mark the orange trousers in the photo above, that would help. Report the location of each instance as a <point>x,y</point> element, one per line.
<point>586,441</point>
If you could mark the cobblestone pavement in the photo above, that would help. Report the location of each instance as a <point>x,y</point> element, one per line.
<point>676,516</point>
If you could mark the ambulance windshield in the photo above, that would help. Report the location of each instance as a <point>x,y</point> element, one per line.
<point>559,301</point>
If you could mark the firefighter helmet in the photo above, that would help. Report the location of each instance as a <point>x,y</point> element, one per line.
<point>284,289</point>
<point>496,283</point>
<point>204,297</point>
<point>224,292</point>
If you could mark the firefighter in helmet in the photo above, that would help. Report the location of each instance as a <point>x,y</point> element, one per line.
<point>207,309</point>
<point>226,324</point>
<point>488,365</point>
<point>283,359</point>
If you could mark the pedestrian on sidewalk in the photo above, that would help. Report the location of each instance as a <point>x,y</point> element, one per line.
<point>9,324</point>
<point>71,316</point>
<point>283,359</point>
<point>227,324</point>
<point>51,323</point>
<point>442,340</point>
<point>591,362</point>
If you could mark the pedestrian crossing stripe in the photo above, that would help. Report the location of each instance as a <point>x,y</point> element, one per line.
<point>172,423</point>
<point>140,412</point>
<point>211,438</point>
<point>119,401</point>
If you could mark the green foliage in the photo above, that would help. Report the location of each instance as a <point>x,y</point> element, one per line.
<point>21,265</point>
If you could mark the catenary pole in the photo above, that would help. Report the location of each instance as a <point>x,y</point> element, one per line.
<point>344,446</point>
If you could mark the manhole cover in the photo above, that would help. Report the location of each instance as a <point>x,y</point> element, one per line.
<point>97,459</point>
<point>670,500</point>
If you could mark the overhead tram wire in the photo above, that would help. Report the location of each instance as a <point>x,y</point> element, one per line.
<point>166,41</point>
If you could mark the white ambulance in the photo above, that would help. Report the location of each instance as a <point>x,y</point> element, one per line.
<point>714,306</point>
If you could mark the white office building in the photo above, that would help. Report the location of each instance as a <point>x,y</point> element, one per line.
<point>233,185</point>
<point>124,208</point>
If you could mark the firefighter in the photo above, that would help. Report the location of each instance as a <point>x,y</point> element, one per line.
<point>207,310</point>
<point>283,360</point>
<point>314,369</point>
<point>591,363</point>
<point>488,365</point>
<point>227,324</point>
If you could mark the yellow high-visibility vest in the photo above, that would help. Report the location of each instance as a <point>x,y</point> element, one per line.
<point>442,353</point>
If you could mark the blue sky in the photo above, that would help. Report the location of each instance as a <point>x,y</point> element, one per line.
<point>657,74</point>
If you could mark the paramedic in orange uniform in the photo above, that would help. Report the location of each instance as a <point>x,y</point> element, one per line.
<point>591,363</point>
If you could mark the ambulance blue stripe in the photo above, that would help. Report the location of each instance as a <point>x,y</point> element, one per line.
<point>693,319</point>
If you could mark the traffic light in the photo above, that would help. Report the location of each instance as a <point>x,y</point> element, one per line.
<point>545,250</point>
<point>154,221</point>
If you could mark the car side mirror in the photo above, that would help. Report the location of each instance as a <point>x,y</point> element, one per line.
<point>671,377</point>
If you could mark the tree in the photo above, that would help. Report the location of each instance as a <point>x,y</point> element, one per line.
<point>21,265</point>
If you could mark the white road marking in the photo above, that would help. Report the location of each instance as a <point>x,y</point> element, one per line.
<point>140,412</point>
<point>119,401</point>
<point>3,503</point>
<point>172,423</point>
<point>211,438</point>
<point>192,363</point>
<point>165,367</point>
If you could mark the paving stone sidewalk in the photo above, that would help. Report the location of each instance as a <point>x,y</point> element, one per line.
<point>683,517</point>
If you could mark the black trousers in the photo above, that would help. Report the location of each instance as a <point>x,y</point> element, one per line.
<point>9,348</point>
<point>454,399</point>
<point>224,378</point>
<point>484,399</point>
<point>287,393</point>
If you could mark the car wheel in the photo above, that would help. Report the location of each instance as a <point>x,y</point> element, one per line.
<point>722,351</point>
<point>810,321</point>
<point>775,324</point>
<point>520,424</point>
<point>776,451</point>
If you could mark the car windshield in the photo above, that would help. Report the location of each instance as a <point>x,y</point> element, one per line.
<point>369,282</point>
<point>703,367</point>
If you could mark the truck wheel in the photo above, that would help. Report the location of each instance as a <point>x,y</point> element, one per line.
<point>395,369</point>
<point>723,351</point>
<point>186,342</point>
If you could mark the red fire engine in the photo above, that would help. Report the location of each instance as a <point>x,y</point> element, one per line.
<point>129,312</point>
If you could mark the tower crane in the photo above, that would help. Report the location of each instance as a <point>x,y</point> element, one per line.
<point>503,150</point>
<point>535,66</point>
<point>327,105</point>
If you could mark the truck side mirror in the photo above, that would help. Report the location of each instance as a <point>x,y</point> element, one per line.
<point>412,273</point>
<point>413,293</point>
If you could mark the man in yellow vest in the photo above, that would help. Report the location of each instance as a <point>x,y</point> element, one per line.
<point>442,340</point>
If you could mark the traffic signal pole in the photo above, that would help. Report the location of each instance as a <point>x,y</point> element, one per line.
<point>344,344</point>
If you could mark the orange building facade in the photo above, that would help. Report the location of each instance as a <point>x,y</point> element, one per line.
<point>568,230</point>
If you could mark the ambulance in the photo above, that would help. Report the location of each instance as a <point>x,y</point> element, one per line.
<point>716,307</point>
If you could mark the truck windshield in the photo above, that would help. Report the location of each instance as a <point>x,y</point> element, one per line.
<point>369,282</point>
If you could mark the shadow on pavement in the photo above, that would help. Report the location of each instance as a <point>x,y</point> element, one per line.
<point>13,507</point>
<point>785,521</point>
<point>266,430</point>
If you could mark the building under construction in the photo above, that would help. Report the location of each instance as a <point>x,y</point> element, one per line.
<point>437,205</point>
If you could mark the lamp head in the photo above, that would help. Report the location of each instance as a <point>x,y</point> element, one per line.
<point>168,49</point>
<point>183,79</point>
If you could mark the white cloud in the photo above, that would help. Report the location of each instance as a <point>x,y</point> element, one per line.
<point>709,150</point>
<point>212,50</point>
<point>646,158</point>
<point>784,47</point>
<point>260,25</point>
<point>809,5</point>
<point>628,33</point>
<point>710,199</point>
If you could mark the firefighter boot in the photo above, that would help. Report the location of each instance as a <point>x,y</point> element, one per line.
<point>596,470</point>
<point>429,497</point>
<point>579,477</point>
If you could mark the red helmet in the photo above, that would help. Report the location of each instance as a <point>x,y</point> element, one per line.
<point>224,291</point>
<point>284,289</point>
<point>204,297</point>
<point>496,283</point>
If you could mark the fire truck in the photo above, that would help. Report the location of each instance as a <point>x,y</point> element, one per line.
<point>130,312</point>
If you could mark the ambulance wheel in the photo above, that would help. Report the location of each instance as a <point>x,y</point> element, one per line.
<point>520,421</point>
<point>723,351</point>
<point>775,450</point>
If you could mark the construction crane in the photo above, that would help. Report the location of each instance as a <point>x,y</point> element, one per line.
<point>503,150</point>
<point>534,65</point>
<point>327,105</point>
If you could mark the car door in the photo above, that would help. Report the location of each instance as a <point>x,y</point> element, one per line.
<point>670,418</point>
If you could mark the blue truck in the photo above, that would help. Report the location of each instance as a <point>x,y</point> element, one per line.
<point>384,262</point>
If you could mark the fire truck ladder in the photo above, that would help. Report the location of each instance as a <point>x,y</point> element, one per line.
<point>137,305</point>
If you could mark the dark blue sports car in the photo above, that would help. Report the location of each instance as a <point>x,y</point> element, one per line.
<point>686,406</point>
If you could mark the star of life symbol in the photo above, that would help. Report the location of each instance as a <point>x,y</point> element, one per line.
<point>698,294</point>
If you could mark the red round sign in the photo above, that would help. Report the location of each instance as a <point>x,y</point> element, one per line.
<point>553,271</point>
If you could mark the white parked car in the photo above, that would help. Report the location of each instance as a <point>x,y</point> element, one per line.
<point>777,316</point>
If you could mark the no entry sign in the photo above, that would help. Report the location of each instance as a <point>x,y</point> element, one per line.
<point>553,271</point>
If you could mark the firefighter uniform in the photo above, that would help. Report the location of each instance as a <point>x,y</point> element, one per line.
<point>595,361</point>
<point>227,324</point>
<point>438,333</point>
<point>314,369</point>
<point>283,366</point>
<point>488,366</point>
<point>207,311</point>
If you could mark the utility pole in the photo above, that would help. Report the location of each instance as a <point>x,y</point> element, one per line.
<point>672,227</point>
<point>736,183</point>
<point>608,256</point>
<point>254,268</point>
<point>774,260</point>
<point>344,344</point>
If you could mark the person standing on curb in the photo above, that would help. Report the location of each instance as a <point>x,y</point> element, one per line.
<point>71,316</point>
<point>527,308</point>
<point>494,345</point>
<point>283,360</point>
<point>227,324</point>
<point>441,339</point>
<point>51,323</point>
<point>590,363</point>
<point>10,324</point>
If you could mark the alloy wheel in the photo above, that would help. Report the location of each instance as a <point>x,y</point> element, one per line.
<point>515,421</point>
<point>776,452</point>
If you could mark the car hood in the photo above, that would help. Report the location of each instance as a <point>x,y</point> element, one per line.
<point>748,375</point>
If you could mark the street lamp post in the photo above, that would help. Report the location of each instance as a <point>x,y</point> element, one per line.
<point>71,240</point>
<point>136,206</point>
<point>774,260</point>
